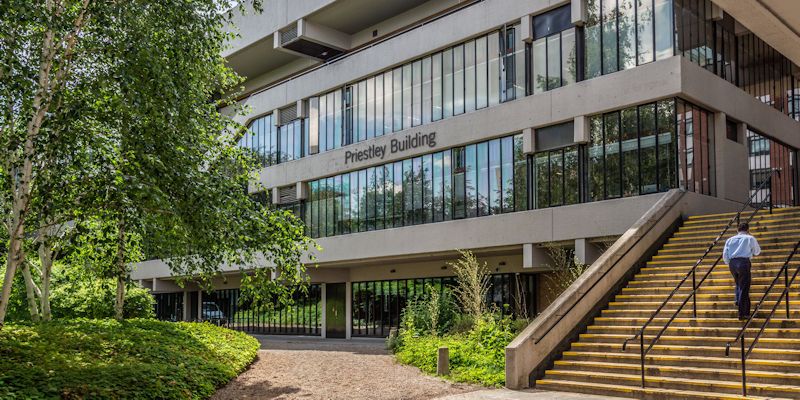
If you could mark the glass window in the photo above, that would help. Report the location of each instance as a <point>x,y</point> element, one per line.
<point>539,65</point>
<point>507,173</point>
<point>313,125</point>
<point>427,188</point>
<point>520,176</point>
<point>314,188</point>
<point>644,33</point>
<point>571,172</point>
<point>426,90</point>
<point>387,102</point>
<point>363,206</point>
<point>667,161</point>
<point>447,65</point>
<point>482,175</point>
<point>407,100</point>
<point>569,66</point>
<point>399,197</point>
<point>338,209</point>
<point>494,68</point>
<point>416,89</point>
<point>379,106</point>
<point>362,111</point>
<point>323,123</point>
<point>596,159</point>
<point>408,194</point>
<point>371,201</point>
<point>458,79</point>
<point>664,30</point>
<point>627,33</point>
<point>330,223</point>
<point>337,119</point>
<point>495,179</point>
<point>469,76</point>
<point>592,39</point>
<point>330,120</point>
<point>447,175</point>
<point>612,145</point>
<point>554,61</point>
<point>481,73</point>
<point>542,179</point>
<point>380,215</point>
<point>355,200</point>
<point>630,153</point>
<point>397,99</point>
<point>437,187</point>
<point>647,146</point>
<point>436,64</point>
<point>459,159</point>
<point>370,105</point>
<point>416,165</point>
<point>608,12</point>
<point>470,182</point>
<point>346,203</point>
<point>556,177</point>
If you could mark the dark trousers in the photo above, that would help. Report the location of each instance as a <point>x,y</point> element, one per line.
<point>740,268</point>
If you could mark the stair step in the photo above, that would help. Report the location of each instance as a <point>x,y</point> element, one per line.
<point>686,350</point>
<point>713,341</point>
<point>701,246</point>
<point>701,305</point>
<point>712,281</point>
<point>628,391</point>
<point>757,389</point>
<point>730,362</point>
<point>757,223</point>
<point>728,215</point>
<point>729,375</point>
<point>708,322</point>
<point>728,332</point>
<point>755,290</point>
<point>713,297</point>
<point>678,272</point>
<point>782,251</point>
<point>783,235</point>
<point>688,312</point>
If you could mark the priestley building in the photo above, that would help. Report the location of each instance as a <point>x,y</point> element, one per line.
<point>402,130</point>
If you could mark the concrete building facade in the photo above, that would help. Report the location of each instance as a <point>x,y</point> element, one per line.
<point>403,130</point>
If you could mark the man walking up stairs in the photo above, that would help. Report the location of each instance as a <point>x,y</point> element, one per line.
<point>689,360</point>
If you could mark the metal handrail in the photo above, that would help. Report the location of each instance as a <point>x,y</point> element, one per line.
<point>785,293</point>
<point>692,274</point>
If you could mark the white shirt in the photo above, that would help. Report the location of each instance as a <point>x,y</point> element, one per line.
<point>742,245</point>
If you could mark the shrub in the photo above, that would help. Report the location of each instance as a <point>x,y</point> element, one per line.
<point>134,359</point>
<point>565,269</point>
<point>477,356</point>
<point>473,284</point>
<point>431,313</point>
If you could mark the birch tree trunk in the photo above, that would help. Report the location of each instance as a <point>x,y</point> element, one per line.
<point>46,257</point>
<point>31,292</point>
<point>122,273</point>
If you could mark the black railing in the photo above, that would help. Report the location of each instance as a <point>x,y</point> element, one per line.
<point>693,274</point>
<point>784,296</point>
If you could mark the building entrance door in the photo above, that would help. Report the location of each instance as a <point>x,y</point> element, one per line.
<point>335,323</point>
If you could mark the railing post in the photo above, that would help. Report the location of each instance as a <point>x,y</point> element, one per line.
<point>744,376</point>
<point>693,294</point>
<point>786,287</point>
<point>641,352</point>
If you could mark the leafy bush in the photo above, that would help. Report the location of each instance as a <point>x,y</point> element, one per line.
<point>431,313</point>
<point>134,359</point>
<point>477,356</point>
<point>77,294</point>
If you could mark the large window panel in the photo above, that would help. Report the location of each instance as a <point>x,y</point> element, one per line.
<point>481,73</point>
<point>494,68</point>
<point>388,102</point>
<point>362,111</point>
<point>408,192</point>
<point>399,196</point>
<point>627,33</point>
<point>554,61</point>
<point>664,30</point>
<point>539,65</point>
<point>648,150</point>
<point>569,55</point>
<point>608,11</point>
<point>458,79</point>
<point>346,204</point>
<point>469,76</point>
<point>417,189</point>
<point>447,65</point>
<point>337,119</point>
<point>596,159</point>
<point>482,176</point>
<point>427,94</point>
<point>371,191</point>
<point>370,106</point>
<point>355,208</point>
<point>495,178</point>
<point>612,146</point>
<point>379,113</point>
<point>630,153</point>
<point>667,145</point>
<point>397,99</point>
<point>436,86</point>
<point>407,96</point>
<point>437,187</point>
<point>644,31</point>
<point>592,35</point>
<point>427,188</point>
<point>363,202</point>
<point>448,177</point>
<point>470,181</point>
<point>520,176</point>
<point>507,173</point>
<point>416,96</point>
<point>571,175</point>
<point>459,182</point>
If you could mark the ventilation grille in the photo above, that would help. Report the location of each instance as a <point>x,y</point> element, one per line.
<point>287,195</point>
<point>289,34</point>
<point>288,114</point>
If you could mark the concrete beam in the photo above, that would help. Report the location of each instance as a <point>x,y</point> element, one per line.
<point>534,256</point>
<point>528,141</point>
<point>581,127</point>
<point>586,252</point>
<point>578,10</point>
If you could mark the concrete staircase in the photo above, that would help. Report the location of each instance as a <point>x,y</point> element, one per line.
<point>689,361</point>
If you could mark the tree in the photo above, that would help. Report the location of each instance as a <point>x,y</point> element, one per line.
<point>117,103</point>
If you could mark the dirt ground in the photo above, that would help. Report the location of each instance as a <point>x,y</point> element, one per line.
<point>305,368</point>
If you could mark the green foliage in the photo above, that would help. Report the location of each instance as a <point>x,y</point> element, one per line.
<point>431,313</point>
<point>473,284</point>
<point>135,359</point>
<point>564,269</point>
<point>477,356</point>
<point>77,293</point>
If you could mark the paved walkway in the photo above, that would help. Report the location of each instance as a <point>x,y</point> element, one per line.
<point>290,368</point>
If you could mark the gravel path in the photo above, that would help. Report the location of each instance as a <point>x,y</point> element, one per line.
<point>305,368</point>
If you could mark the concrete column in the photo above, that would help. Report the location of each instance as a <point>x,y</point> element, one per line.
<point>578,12</point>
<point>526,29</point>
<point>324,310</point>
<point>730,161</point>
<point>200,305</point>
<point>154,284</point>
<point>276,196</point>
<point>581,129</point>
<point>586,252</point>
<point>348,309</point>
<point>185,305</point>
<point>302,191</point>
<point>533,256</point>
<point>528,141</point>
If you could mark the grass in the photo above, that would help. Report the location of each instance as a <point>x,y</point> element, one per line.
<point>141,359</point>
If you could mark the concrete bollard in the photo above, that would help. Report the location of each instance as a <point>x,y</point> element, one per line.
<point>443,362</point>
